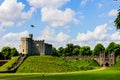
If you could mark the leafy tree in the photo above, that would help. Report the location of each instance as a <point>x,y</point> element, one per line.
<point>113,47</point>
<point>85,50</point>
<point>14,52</point>
<point>1,56</point>
<point>54,52</point>
<point>110,47</point>
<point>117,49</point>
<point>61,51</point>
<point>69,49</point>
<point>99,48</point>
<point>6,52</point>
<point>76,51</point>
<point>76,46</point>
<point>117,20</point>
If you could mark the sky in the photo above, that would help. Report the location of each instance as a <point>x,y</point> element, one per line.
<point>58,22</point>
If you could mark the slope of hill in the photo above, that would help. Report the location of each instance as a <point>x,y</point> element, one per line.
<point>8,64</point>
<point>50,64</point>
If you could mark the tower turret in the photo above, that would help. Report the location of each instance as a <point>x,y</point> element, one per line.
<point>31,36</point>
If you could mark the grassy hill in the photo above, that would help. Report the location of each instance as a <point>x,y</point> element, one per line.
<point>110,73</point>
<point>50,64</point>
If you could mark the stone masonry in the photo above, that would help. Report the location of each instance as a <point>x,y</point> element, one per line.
<point>28,46</point>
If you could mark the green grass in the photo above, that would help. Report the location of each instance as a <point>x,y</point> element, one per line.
<point>80,75</point>
<point>50,64</point>
<point>8,64</point>
<point>110,73</point>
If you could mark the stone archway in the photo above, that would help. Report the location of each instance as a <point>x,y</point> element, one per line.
<point>107,64</point>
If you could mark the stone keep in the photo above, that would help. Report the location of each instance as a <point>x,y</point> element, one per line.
<point>34,47</point>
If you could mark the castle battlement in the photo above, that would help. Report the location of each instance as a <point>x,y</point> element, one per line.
<point>39,40</point>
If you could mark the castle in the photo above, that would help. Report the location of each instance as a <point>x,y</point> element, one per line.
<point>28,46</point>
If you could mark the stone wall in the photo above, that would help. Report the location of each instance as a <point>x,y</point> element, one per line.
<point>102,59</point>
<point>48,49</point>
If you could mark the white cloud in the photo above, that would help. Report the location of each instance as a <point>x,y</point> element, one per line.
<point>115,36</point>
<point>113,12</point>
<point>91,38</point>
<point>100,32</point>
<point>47,3</point>
<point>51,13</point>
<point>83,2</point>
<point>57,18</point>
<point>12,39</point>
<point>11,13</point>
<point>99,35</point>
<point>62,37</point>
<point>49,35</point>
<point>100,5</point>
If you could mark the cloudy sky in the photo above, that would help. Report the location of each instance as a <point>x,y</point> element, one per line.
<point>83,22</point>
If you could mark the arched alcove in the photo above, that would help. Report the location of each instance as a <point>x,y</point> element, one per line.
<point>106,64</point>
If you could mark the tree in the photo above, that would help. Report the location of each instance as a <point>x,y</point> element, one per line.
<point>54,52</point>
<point>1,56</point>
<point>6,52</point>
<point>85,50</point>
<point>110,47</point>
<point>99,48</point>
<point>76,46</point>
<point>61,51</point>
<point>113,47</point>
<point>76,51</point>
<point>117,49</point>
<point>14,52</point>
<point>117,20</point>
<point>69,49</point>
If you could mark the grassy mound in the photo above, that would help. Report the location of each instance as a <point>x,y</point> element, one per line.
<point>49,64</point>
<point>8,64</point>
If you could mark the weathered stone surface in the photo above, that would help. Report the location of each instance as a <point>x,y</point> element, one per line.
<point>34,47</point>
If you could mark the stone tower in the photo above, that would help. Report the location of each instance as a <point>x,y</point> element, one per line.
<point>34,47</point>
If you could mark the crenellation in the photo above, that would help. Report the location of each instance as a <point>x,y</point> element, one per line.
<point>39,40</point>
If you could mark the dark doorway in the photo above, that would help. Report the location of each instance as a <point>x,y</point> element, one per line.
<point>106,64</point>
